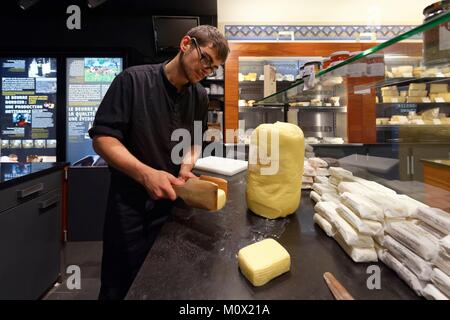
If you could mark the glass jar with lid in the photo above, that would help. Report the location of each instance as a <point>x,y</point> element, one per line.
<point>436,41</point>
<point>357,68</point>
<point>375,65</point>
<point>336,58</point>
<point>311,66</point>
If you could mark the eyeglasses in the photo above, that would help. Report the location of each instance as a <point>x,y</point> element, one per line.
<point>205,60</point>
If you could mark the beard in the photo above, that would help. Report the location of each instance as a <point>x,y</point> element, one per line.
<point>185,70</point>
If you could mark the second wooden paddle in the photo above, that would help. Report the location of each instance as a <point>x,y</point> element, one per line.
<point>336,288</point>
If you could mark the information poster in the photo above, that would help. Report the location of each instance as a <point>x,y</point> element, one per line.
<point>28,109</point>
<point>88,79</point>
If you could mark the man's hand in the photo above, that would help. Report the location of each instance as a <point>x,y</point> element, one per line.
<point>186,174</point>
<point>159,183</point>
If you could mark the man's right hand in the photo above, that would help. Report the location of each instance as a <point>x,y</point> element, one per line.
<point>159,183</point>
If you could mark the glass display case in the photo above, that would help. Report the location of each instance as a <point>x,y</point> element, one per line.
<point>392,101</point>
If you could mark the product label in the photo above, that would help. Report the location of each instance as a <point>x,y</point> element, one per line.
<point>444,36</point>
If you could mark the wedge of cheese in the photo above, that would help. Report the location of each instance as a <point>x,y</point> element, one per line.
<point>262,261</point>
<point>417,86</point>
<point>438,88</point>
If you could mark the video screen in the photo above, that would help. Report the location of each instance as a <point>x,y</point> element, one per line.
<point>28,109</point>
<point>87,81</point>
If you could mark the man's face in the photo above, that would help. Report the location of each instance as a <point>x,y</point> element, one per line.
<point>198,62</point>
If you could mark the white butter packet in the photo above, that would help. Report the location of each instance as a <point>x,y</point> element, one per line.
<point>418,240</point>
<point>307,179</point>
<point>362,206</point>
<point>315,196</point>
<point>322,188</point>
<point>326,226</point>
<point>321,179</point>
<point>356,222</point>
<point>340,172</point>
<point>357,254</point>
<point>437,218</point>
<point>332,197</point>
<point>441,281</point>
<point>309,171</point>
<point>443,263</point>
<point>327,210</point>
<point>318,163</point>
<point>425,226</point>
<point>350,235</point>
<point>421,268</point>
<point>306,186</point>
<point>403,272</point>
<point>322,172</point>
<point>430,292</point>
<point>444,246</point>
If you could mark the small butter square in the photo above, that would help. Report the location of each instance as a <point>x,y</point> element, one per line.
<point>262,261</point>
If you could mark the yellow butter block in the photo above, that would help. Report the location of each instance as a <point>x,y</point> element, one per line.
<point>262,261</point>
<point>221,199</point>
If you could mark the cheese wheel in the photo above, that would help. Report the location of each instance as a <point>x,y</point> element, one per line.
<point>275,170</point>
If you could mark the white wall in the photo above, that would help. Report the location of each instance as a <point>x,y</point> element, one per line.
<point>321,12</point>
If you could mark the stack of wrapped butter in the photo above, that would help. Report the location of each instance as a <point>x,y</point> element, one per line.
<point>417,248</point>
<point>340,217</point>
<point>313,168</point>
<point>369,220</point>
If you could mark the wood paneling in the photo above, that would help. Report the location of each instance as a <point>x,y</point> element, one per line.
<point>361,109</point>
<point>436,175</point>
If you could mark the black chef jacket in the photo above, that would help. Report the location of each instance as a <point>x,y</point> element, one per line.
<point>141,109</point>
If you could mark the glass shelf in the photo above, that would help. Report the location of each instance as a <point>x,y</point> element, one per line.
<point>297,90</point>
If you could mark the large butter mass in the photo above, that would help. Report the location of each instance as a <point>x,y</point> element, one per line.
<point>275,195</point>
<point>262,261</point>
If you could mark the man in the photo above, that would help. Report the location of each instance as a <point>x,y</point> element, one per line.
<point>132,132</point>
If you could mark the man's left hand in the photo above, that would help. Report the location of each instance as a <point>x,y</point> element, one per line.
<point>185,175</point>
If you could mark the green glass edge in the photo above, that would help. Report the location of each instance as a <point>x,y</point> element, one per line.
<point>423,27</point>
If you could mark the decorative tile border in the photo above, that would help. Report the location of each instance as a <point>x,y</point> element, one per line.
<point>312,32</point>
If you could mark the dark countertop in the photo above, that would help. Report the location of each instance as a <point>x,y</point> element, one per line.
<point>18,172</point>
<point>194,257</point>
<point>439,162</point>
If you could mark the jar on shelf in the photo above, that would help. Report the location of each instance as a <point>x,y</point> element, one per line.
<point>375,65</point>
<point>436,41</point>
<point>326,63</point>
<point>311,66</point>
<point>357,68</point>
<point>336,58</point>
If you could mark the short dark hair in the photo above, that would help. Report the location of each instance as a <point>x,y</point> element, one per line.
<point>209,35</point>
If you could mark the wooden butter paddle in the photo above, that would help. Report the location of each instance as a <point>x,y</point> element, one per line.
<point>201,193</point>
<point>336,288</point>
